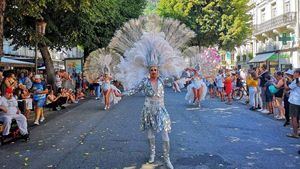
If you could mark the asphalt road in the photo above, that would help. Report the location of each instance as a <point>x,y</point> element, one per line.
<point>215,136</point>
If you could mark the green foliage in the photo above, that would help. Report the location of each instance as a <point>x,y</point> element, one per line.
<point>88,23</point>
<point>250,56</point>
<point>238,58</point>
<point>244,57</point>
<point>216,22</point>
<point>150,8</point>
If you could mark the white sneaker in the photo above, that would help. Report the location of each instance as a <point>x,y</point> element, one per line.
<point>97,98</point>
<point>265,111</point>
<point>36,123</point>
<point>42,119</point>
<point>260,110</point>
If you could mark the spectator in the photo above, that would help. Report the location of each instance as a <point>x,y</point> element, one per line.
<point>252,83</point>
<point>269,95</point>
<point>228,87</point>
<point>279,95</point>
<point>294,100</point>
<point>9,111</point>
<point>9,81</point>
<point>26,96</point>
<point>58,80</point>
<point>79,94</point>
<point>39,98</point>
<point>288,81</point>
<point>1,77</point>
<point>262,77</point>
<point>68,93</point>
<point>55,103</point>
<point>258,94</point>
<point>97,87</point>
<point>220,85</point>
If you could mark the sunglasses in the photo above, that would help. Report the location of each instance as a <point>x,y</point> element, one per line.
<point>153,70</point>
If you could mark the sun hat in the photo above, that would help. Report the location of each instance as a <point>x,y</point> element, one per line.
<point>37,76</point>
<point>289,72</point>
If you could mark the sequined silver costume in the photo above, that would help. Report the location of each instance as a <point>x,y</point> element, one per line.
<point>154,114</point>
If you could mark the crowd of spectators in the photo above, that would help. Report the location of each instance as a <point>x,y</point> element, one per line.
<point>23,92</point>
<point>276,94</point>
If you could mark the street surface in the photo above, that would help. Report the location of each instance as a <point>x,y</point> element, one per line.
<point>215,136</point>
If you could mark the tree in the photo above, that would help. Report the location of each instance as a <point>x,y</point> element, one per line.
<point>151,7</point>
<point>88,23</point>
<point>107,23</point>
<point>217,22</point>
<point>2,9</point>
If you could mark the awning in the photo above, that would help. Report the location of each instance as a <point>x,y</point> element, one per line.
<point>57,67</point>
<point>261,57</point>
<point>12,62</point>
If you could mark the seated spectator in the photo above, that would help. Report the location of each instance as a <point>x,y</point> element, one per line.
<point>79,94</point>
<point>9,81</point>
<point>68,94</point>
<point>9,111</point>
<point>24,99</point>
<point>25,80</point>
<point>26,96</point>
<point>56,103</point>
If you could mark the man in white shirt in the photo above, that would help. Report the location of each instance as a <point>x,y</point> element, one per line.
<point>8,111</point>
<point>294,101</point>
<point>220,84</point>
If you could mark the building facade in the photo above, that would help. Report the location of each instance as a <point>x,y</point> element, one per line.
<point>276,33</point>
<point>28,55</point>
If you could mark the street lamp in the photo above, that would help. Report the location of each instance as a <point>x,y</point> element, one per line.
<point>40,29</point>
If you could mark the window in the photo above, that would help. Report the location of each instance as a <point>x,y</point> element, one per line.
<point>263,15</point>
<point>287,7</point>
<point>273,10</point>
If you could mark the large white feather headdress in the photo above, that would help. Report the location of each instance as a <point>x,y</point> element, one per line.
<point>150,41</point>
<point>99,62</point>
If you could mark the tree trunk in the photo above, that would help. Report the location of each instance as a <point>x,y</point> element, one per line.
<point>86,53</point>
<point>49,64</point>
<point>2,9</point>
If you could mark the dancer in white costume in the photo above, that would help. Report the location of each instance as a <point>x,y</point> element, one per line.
<point>102,62</point>
<point>206,62</point>
<point>197,90</point>
<point>150,45</point>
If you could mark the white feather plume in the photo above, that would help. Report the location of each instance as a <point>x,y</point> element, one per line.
<point>176,33</point>
<point>97,61</point>
<point>151,50</point>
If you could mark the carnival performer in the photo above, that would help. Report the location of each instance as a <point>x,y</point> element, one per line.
<point>197,90</point>
<point>150,49</point>
<point>101,62</point>
<point>111,93</point>
<point>205,61</point>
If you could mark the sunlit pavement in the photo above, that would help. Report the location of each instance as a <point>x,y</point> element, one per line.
<point>215,136</point>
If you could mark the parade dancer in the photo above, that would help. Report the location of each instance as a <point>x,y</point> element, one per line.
<point>106,88</point>
<point>155,117</point>
<point>111,94</point>
<point>206,62</point>
<point>150,49</point>
<point>196,91</point>
<point>102,62</point>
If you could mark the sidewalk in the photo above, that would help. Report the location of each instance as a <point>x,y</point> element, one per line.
<point>49,114</point>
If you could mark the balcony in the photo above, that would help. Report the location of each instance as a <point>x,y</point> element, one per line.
<point>280,21</point>
<point>271,46</point>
